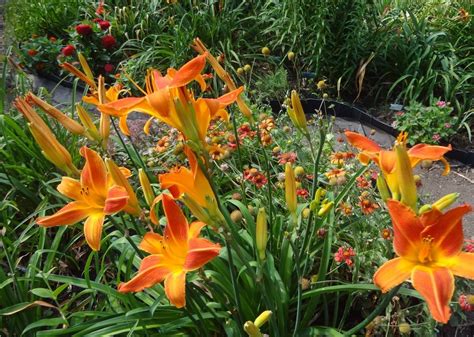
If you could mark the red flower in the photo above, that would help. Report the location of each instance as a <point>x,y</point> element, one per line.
<point>104,24</point>
<point>108,41</point>
<point>284,158</point>
<point>100,8</point>
<point>465,304</point>
<point>302,192</point>
<point>68,50</point>
<point>109,68</point>
<point>32,52</point>
<point>345,255</point>
<point>84,29</point>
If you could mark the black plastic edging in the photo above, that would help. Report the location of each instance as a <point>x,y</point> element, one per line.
<point>339,109</point>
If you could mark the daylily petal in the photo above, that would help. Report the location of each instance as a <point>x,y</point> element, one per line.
<point>407,228</point>
<point>122,106</point>
<point>68,215</point>
<point>71,188</point>
<point>230,97</point>
<point>195,229</point>
<point>160,102</point>
<point>175,289</point>
<point>392,273</point>
<point>123,125</point>
<point>93,230</point>
<point>176,231</point>
<point>447,231</point>
<point>152,243</point>
<point>428,152</point>
<point>362,142</point>
<point>117,198</point>
<point>151,261</point>
<point>189,71</point>
<point>202,82</point>
<point>387,161</point>
<point>145,279</point>
<point>200,252</point>
<point>463,265</point>
<point>437,287</point>
<point>146,127</point>
<point>430,217</point>
<point>94,174</point>
<point>203,117</point>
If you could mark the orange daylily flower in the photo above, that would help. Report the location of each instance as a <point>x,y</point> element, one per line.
<point>179,251</point>
<point>387,159</point>
<point>429,249</point>
<point>192,186</point>
<point>94,195</point>
<point>168,100</point>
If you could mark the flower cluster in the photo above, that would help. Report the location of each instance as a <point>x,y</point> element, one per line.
<point>345,254</point>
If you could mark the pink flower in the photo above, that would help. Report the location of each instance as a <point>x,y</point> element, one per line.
<point>464,303</point>
<point>289,157</point>
<point>436,137</point>
<point>447,125</point>
<point>469,247</point>
<point>441,104</point>
<point>344,255</point>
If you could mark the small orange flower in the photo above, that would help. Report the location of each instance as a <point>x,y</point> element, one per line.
<point>217,151</point>
<point>162,144</point>
<point>336,176</point>
<point>345,208</point>
<point>95,196</point>
<point>179,251</point>
<point>266,138</point>
<point>386,234</point>
<point>430,253</point>
<point>367,206</point>
<point>268,124</point>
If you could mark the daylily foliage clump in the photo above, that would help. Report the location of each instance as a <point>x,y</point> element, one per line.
<point>247,231</point>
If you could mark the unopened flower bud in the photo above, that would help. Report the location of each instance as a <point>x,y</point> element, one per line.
<point>262,318</point>
<point>291,56</point>
<point>404,328</point>
<point>236,196</point>
<point>299,171</point>
<point>261,232</point>
<point>147,189</point>
<point>236,216</point>
<point>446,201</point>
<point>306,212</point>
<point>325,208</point>
<point>266,51</point>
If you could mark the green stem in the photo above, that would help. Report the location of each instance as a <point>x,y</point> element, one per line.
<point>234,282</point>
<point>239,157</point>
<point>298,295</point>
<point>377,311</point>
